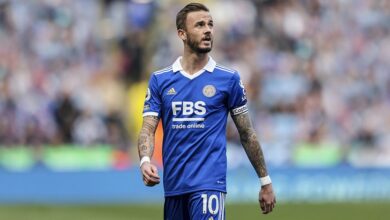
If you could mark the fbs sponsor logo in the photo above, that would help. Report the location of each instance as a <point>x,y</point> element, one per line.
<point>171,91</point>
<point>184,112</point>
<point>189,108</point>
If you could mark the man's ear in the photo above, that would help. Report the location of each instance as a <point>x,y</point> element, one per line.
<point>182,34</point>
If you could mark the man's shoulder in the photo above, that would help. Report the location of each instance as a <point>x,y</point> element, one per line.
<point>161,76</point>
<point>224,69</point>
<point>225,73</point>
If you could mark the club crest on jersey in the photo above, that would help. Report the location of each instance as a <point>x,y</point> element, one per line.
<point>147,97</point>
<point>209,91</point>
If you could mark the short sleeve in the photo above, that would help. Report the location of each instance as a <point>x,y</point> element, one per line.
<point>237,96</point>
<point>152,104</point>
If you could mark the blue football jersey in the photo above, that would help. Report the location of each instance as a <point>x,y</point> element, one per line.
<point>194,110</point>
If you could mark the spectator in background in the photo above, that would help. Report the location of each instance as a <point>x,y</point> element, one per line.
<point>65,113</point>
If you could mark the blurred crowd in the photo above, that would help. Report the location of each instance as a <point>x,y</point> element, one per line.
<point>317,73</point>
<point>64,70</point>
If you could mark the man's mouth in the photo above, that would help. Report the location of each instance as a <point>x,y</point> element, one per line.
<point>206,39</point>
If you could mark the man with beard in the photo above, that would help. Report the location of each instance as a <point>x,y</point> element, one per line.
<point>193,98</point>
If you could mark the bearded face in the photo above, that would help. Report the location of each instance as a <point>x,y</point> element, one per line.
<point>198,34</point>
<point>204,45</point>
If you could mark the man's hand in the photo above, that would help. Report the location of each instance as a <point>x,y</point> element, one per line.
<point>267,199</point>
<point>150,174</point>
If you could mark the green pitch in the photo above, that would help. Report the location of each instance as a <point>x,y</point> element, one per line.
<point>301,211</point>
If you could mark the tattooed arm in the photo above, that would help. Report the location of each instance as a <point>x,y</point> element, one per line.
<point>250,143</point>
<point>255,154</point>
<point>146,137</point>
<point>146,148</point>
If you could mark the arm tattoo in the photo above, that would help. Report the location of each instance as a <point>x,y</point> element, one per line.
<point>146,137</point>
<point>250,143</point>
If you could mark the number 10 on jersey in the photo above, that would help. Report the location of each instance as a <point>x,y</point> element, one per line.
<point>209,204</point>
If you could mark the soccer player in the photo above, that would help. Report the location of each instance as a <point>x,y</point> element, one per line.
<point>193,97</point>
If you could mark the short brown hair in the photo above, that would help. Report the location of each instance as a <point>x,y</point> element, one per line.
<point>182,14</point>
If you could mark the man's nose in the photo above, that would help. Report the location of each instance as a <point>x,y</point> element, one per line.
<point>208,29</point>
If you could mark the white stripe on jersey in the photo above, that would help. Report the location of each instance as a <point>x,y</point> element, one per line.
<point>187,119</point>
<point>224,68</point>
<point>220,206</point>
<point>150,114</point>
<point>167,69</point>
<point>223,211</point>
<point>221,214</point>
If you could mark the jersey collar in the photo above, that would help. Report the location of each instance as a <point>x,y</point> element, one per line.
<point>209,67</point>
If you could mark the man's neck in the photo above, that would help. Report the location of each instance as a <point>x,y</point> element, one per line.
<point>193,62</point>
